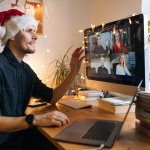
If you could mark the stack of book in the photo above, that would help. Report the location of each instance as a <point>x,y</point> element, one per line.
<point>143,113</point>
<point>116,105</point>
<point>89,95</point>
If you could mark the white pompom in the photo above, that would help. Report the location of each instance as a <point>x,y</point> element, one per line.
<point>2,32</point>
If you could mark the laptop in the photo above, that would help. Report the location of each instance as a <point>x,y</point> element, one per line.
<point>94,131</point>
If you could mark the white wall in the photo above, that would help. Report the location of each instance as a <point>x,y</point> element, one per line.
<point>145,7</point>
<point>62,20</point>
<point>146,11</point>
<point>104,11</point>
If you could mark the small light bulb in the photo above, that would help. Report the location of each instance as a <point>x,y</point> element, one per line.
<point>84,61</point>
<point>82,77</point>
<point>38,5</point>
<point>130,21</point>
<point>80,31</point>
<point>137,22</point>
<point>114,30</point>
<point>97,33</point>
<point>103,25</point>
<point>93,27</point>
<point>47,80</point>
<point>87,41</point>
<point>48,50</point>
<point>133,14</point>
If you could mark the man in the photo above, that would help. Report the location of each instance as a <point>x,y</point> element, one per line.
<point>102,70</point>
<point>100,49</point>
<point>18,83</point>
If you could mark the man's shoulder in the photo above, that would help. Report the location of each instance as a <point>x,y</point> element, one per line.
<point>2,59</point>
<point>1,55</point>
<point>27,66</point>
<point>99,67</point>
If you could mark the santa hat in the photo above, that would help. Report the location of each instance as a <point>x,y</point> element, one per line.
<point>13,21</point>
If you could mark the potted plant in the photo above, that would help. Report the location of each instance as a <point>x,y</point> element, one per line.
<point>62,69</point>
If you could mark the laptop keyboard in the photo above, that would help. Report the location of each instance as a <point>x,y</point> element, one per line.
<point>100,131</point>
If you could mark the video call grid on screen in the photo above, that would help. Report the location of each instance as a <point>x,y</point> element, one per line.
<point>115,51</point>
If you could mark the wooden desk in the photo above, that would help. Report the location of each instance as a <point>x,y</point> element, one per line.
<point>129,138</point>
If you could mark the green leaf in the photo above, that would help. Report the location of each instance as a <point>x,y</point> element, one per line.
<point>62,69</point>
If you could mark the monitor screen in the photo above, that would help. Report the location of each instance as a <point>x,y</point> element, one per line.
<point>115,51</point>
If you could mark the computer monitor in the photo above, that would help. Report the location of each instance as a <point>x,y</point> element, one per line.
<point>115,51</point>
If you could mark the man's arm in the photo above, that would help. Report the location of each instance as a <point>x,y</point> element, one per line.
<point>12,124</point>
<point>75,65</point>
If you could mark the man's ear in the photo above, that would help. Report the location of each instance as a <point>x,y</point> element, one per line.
<point>10,40</point>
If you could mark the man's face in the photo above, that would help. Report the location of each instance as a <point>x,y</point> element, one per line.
<point>121,59</point>
<point>25,40</point>
<point>117,36</point>
<point>102,61</point>
<point>98,40</point>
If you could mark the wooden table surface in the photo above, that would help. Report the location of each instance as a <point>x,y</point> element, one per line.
<point>129,138</point>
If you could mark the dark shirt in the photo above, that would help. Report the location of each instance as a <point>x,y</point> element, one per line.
<point>102,72</point>
<point>100,50</point>
<point>18,83</point>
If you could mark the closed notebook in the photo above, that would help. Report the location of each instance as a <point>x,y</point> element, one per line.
<point>143,105</point>
<point>91,93</point>
<point>143,115</point>
<point>116,109</point>
<point>143,97</point>
<point>140,127</point>
<point>89,98</point>
<point>74,103</point>
<point>118,100</point>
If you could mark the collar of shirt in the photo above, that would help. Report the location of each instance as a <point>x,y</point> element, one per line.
<point>11,58</point>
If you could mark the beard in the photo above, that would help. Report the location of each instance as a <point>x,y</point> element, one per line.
<point>29,51</point>
<point>28,48</point>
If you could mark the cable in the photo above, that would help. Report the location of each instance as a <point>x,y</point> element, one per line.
<point>98,148</point>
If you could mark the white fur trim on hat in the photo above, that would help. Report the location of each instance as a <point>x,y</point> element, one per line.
<point>16,24</point>
<point>2,32</point>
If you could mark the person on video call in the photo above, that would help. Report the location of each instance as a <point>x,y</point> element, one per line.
<point>118,47</point>
<point>94,45</point>
<point>100,49</point>
<point>18,83</point>
<point>97,48</point>
<point>102,70</point>
<point>121,68</point>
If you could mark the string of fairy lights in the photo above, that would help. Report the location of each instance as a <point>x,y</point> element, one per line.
<point>104,28</point>
<point>93,26</point>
